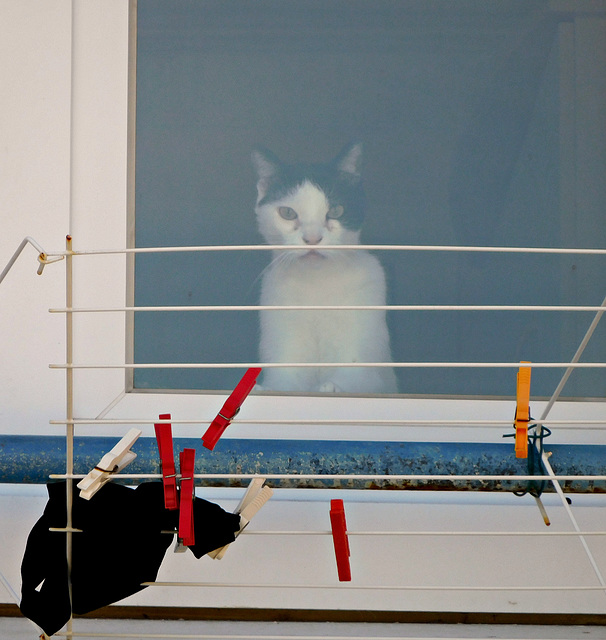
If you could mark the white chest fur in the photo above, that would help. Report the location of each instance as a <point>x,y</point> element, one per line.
<point>349,278</point>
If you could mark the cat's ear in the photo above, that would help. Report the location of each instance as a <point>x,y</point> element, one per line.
<point>266,165</point>
<point>350,159</point>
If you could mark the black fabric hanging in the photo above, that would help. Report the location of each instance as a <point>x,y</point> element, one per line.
<point>121,545</point>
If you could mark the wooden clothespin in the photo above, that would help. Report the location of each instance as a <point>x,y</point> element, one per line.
<point>340,539</point>
<point>230,408</point>
<point>186,536</point>
<point>164,438</point>
<point>522,415</point>
<point>255,497</point>
<point>112,462</point>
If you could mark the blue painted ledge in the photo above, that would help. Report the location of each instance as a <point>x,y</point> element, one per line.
<point>31,459</point>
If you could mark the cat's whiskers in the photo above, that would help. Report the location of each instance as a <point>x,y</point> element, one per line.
<point>335,255</point>
<point>280,257</point>
<point>289,256</point>
<point>264,271</point>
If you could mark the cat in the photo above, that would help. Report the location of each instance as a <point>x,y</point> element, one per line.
<point>316,206</point>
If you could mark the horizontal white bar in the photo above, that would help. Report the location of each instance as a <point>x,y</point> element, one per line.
<point>355,587</point>
<point>249,532</point>
<point>505,534</point>
<point>384,307</point>
<point>344,247</point>
<point>573,424</point>
<point>268,365</point>
<point>249,636</point>
<point>344,476</point>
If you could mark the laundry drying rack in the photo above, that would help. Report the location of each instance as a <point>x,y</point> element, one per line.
<point>345,539</point>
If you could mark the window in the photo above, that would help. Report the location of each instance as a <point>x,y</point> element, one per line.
<point>482,126</point>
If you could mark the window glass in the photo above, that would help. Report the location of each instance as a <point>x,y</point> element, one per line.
<point>482,125</point>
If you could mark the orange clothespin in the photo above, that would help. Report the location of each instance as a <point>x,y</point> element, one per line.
<point>230,408</point>
<point>522,411</point>
<point>164,438</point>
<point>340,540</point>
<point>186,536</point>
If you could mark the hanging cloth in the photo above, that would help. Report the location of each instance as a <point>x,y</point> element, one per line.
<point>121,545</point>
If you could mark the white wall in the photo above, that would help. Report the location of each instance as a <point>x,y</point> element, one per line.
<point>35,190</point>
<point>64,157</point>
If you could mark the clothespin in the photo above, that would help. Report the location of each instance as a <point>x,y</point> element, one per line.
<point>230,408</point>
<point>522,415</point>
<point>112,462</point>
<point>164,438</point>
<point>340,540</point>
<point>186,536</point>
<point>254,498</point>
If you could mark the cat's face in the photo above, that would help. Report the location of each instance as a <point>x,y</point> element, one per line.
<point>310,205</point>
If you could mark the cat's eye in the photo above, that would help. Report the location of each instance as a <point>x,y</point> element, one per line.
<point>287,213</point>
<point>335,212</point>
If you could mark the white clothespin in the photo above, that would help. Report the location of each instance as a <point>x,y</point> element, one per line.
<point>112,462</point>
<point>255,497</point>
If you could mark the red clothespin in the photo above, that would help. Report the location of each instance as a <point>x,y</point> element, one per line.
<point>186,507</point>
<point>340,540</point>
<point>522,411</point>
<point>230,408</point>
<point>164,438</point>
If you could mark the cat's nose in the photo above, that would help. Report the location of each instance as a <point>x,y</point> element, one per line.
<point>312,239</point>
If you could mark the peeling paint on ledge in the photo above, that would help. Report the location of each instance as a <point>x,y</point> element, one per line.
<point>31,459</point>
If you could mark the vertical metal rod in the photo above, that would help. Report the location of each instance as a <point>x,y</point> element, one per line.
<point>559,491</point>
<point>69,411</point>
<point>575,359</point>
<point>545,457</point>
<point>69,293</point>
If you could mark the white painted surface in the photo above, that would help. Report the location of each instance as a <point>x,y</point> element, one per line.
<point>39,199</point>
<point>19,629</point>
<point>297,565</point>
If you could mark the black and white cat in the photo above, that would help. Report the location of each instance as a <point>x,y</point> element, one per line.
<point>317,206</point>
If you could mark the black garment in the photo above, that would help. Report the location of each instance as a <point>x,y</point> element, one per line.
<point>121,546</point>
